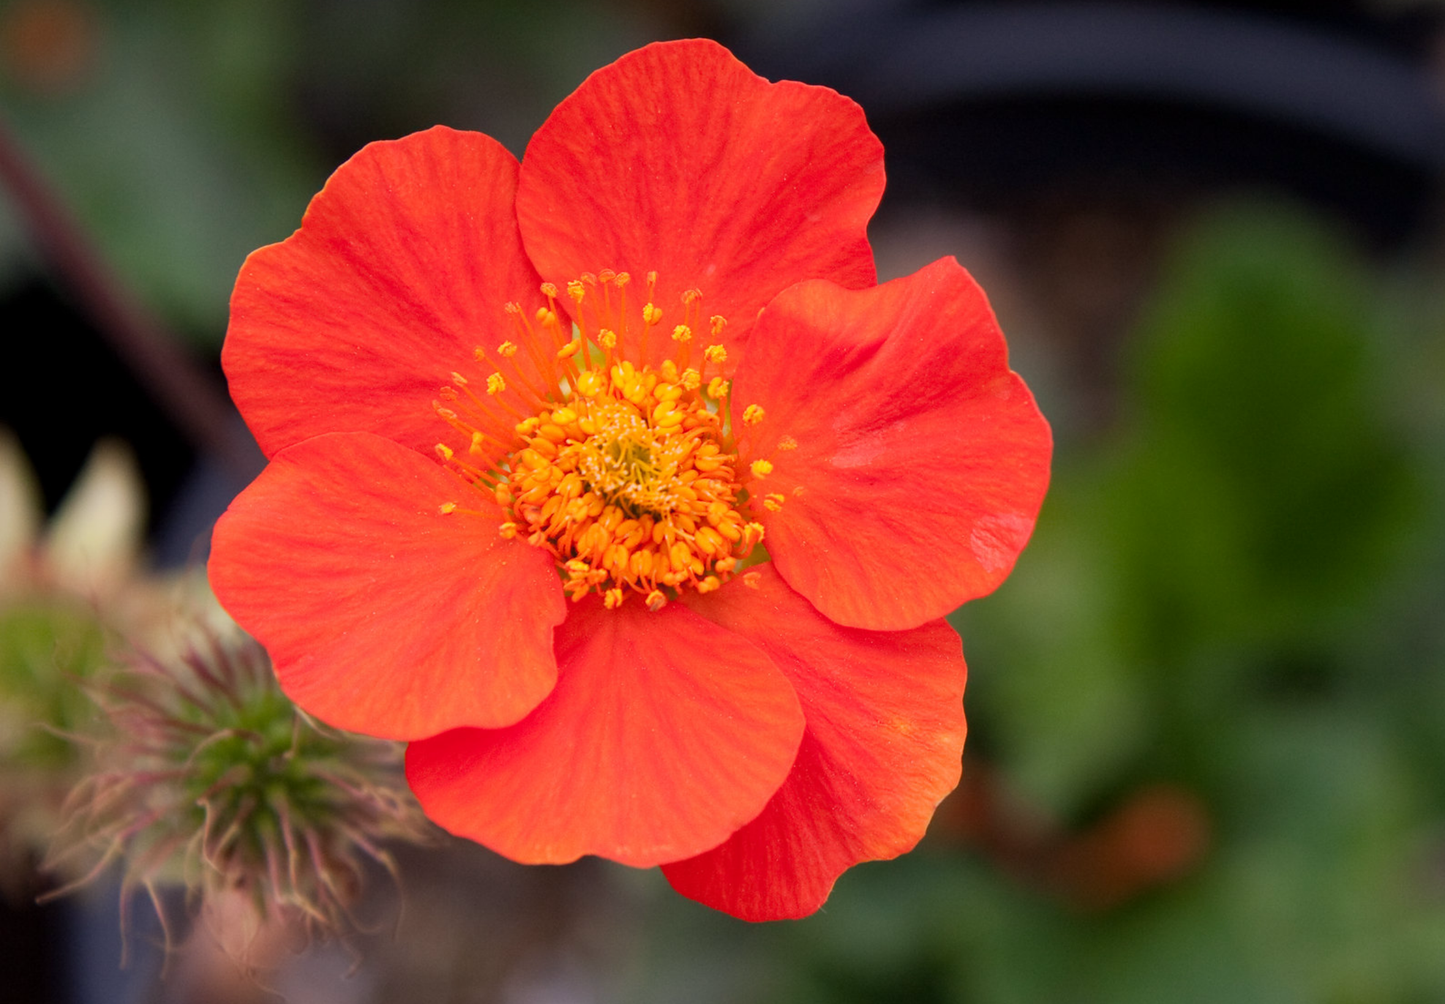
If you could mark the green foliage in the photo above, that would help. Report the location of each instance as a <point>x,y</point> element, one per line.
<point>46,651</point>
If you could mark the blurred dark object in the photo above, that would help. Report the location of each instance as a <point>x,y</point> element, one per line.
<point>88,360</point>
<point>64,387</point>
<point>999,105</point>
<point>191,398</point>
<point>30,952</point>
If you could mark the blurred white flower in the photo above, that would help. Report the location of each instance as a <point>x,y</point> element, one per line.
<point>93,543</point>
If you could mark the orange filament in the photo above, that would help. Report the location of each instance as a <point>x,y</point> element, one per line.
<point>626,472</point>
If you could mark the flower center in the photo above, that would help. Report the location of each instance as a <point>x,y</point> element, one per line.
<point>627,473</point>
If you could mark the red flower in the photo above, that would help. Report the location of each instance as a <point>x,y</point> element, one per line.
<point>658,342</point>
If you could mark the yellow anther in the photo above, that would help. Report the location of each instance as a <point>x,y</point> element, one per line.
<point>444,451</point>
<point>761,468</point>
<point>787,443</point>
<point>447,508</point>
<point>771,505</point>
<point>718,322</point>
<point>512,307</point>
<point>458,379</point>
<point>709,541</point>
<point>626,474</point>
<point>753,414</point>
<point>590,383</point>
<point>640,564</point>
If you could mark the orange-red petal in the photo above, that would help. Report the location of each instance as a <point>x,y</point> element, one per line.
<point>665,734</point>
<point>382,614</point>
<point>678,158</point>
<point>882,745</point>
<point>921,459</point>
<point>403,264</point>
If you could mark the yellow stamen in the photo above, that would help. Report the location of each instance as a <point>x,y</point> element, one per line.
<point>625,469</point>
